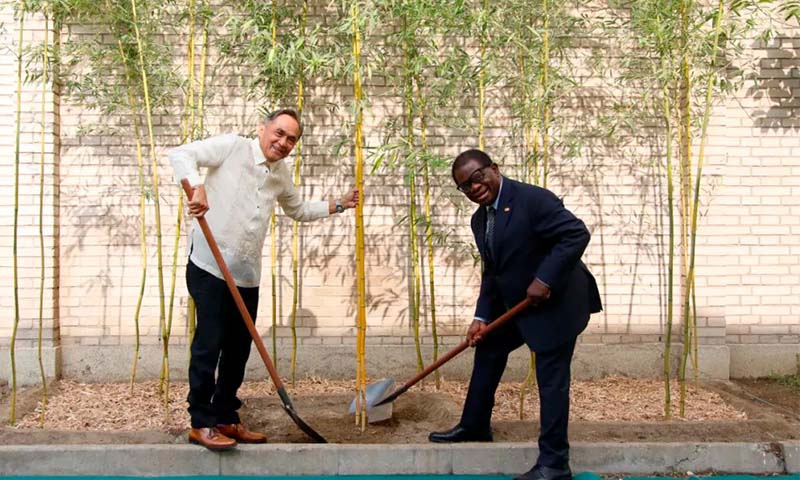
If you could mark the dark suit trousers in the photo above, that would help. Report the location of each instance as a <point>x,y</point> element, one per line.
<point>553,379</point>
<point>221,340</point>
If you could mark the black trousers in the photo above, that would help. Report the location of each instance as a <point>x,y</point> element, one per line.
<point>221,344</point>
<point>553,379</point>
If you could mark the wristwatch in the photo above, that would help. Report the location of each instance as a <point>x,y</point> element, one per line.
<point>339,207</point>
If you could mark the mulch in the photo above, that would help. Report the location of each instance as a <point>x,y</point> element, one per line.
<point>74,406</point>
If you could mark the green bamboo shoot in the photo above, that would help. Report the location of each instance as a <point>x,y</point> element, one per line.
<point>155,179</point>
<point>45,60</point>
<point>423,126</point>
<point>20,31</point>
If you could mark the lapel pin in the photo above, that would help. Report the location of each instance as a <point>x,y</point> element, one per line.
<point>507,209</point>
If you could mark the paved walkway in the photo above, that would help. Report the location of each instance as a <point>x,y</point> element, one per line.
<point>337,459</point>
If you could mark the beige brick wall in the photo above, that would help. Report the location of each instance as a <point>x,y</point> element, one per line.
<point>748,268</point>
<point>31,157</point>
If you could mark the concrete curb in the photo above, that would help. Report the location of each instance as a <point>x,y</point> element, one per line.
<point>431,459</point>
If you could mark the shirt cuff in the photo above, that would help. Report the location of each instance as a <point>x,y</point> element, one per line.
<point>323,209</point>
<point>481,319</point>
<point>543,282</point>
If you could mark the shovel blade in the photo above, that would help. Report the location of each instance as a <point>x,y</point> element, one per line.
<point>376,392</point>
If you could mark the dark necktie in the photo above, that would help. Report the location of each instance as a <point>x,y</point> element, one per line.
<point>490,212</point>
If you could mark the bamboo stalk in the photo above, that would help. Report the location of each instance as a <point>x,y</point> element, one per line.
<point>45,61</point>
<point>428,225</point>
<point>188,116</point>
<point>154,160</point>
<point>143,194</point>
<point>274,274</point>
<point>191,308</point>
<point>671,260</point>
<point>531,174</point>
<point>190,93</point>
<point>523,93</point>
<point>188,129</point>
<point>20,31</point>
<point>482,74</point>
<point>201,90</point>
<point>671,257</point>
<point>545,66</point>
<point>415,260</point>
<point>295,227</point>
<point>686,181</point>
<point>690,281</point>
<point>408,106</point>
<point>361,317</point>
<point>273,222</point>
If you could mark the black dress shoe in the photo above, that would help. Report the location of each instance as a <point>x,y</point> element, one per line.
<point>540,472</point>
<point>460,434</point>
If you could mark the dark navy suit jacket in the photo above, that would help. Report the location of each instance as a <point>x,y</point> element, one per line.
<point>535,236</point>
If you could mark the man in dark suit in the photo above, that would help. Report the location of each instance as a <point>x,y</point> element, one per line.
<point>531,247</point>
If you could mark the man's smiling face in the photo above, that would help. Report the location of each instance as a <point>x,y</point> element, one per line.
<point>480,183</point>
<point>278,137</point>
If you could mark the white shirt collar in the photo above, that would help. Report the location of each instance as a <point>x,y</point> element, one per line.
<point>258,155</point>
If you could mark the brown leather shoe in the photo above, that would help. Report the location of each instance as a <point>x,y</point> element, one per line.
<point>211,438</point>
<point>239,432</point>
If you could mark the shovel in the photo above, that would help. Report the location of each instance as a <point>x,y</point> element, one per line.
<point>248,321</point>
<point>494,325</point>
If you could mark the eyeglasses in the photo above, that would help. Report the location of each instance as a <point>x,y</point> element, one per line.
<point>475,177</point>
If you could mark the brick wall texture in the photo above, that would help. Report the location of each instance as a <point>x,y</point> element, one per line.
<point>748,273</point>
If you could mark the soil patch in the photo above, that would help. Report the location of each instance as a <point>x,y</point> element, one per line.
<point>612,409</point>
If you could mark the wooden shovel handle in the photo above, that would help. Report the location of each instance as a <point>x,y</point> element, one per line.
<point>494,325</point>
<point>237,297</point>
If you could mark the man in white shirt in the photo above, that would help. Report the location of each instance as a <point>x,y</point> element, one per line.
<point>244,178</point>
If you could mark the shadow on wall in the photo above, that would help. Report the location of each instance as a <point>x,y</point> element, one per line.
<point>775,79</point>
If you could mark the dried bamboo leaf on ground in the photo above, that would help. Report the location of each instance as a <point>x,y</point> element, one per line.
<point>111,406</point>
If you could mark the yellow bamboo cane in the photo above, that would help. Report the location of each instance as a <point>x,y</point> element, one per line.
<point>191,310</point>
<point>188,129</point>
<point>188,114</point>
<point>482,74</point>
<point>690,281</point>
<point>523,93</point>
<point>415,283</point>
<point>532,174</point>
<point>142,223</point>
<point>423,126</point>
<point>273,223</point>
<point>667,112</point>
<point>546,91</point>
<point>20,26</point>
<point>295,227</point>
<point>155,176</point>
<point>45,60</point>
<point>201,90</point>
<point>361,317</point>
<point>142,196</point>
<point>685,93</point>
<point>415,259</point>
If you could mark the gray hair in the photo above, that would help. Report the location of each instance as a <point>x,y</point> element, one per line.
<point>283,111</point>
